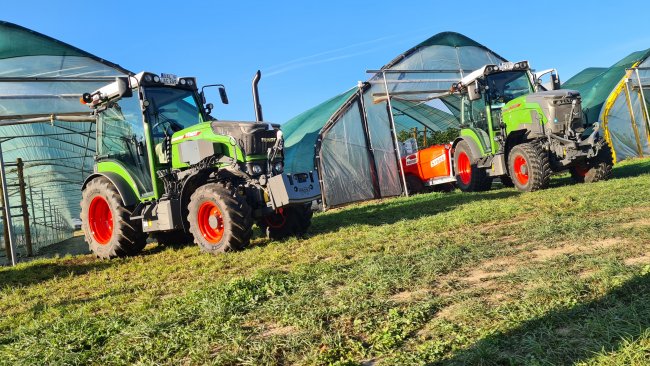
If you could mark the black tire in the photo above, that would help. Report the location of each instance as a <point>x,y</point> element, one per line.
<point>529,167</point>
<point>445,187</point>
<point>506,181</point>
<point>469,178</point>
<point>291,221</point>
<point>219,219</point>
<point>173,238</point>
<point>594,170</point>
<point>414,184</point>
<point>106,222</point>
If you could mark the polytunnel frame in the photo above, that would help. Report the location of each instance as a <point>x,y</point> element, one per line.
<point>388,96</point>
<point>382,79</point>
<point>12,120</point>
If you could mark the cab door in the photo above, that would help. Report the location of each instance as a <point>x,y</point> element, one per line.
<point>121,143</point>
<point>476,119</point>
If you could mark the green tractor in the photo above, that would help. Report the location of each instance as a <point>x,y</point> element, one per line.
<point>520,130</point>
<point>165,167</point>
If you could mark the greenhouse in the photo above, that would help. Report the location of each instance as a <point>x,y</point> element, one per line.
<point>352,139</point>
<point>43,124</point>
<point>618,97</point>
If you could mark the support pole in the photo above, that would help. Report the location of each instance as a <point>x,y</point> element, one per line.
<point>398,151</point>
<point>4,225</point>
<point>44,219</point>
<point>7,214</point>
<point>49,205</point>
<point>25,210</point>
<point>31,201</point>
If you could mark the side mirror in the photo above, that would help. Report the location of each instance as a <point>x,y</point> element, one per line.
<point>223,95</point>
<point>473,91</point>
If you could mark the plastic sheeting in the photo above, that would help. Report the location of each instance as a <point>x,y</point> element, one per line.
<point>351,134</point>
<point>42,79</point>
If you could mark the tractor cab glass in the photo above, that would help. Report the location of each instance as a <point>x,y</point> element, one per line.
<point>121,138</point>
<point>506,86</point>
<point>168,111</point>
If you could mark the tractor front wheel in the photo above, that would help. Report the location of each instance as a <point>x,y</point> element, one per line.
<point>594,170</point>
<point>220,220</point>
<point>529,167</point>
<point>106,222</point>
<point>469,177</point>
<point>286,222</point>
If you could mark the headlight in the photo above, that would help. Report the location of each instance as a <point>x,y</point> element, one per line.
<point>156,78</point>
<point>256,169</point>
<point>278,167</point>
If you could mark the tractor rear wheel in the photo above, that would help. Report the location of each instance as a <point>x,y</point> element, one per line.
<point>219,219</point>
<point>469,177</point>
<point>594,170</point>
<point>286,222</point>
<point>529,167</point>
<point>106,222</point>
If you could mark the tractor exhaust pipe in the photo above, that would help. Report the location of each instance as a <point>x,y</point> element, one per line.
<point>256,97</point>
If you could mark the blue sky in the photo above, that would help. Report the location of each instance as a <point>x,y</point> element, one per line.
<point>310,51</point>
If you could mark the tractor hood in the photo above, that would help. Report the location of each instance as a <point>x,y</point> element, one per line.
<point>255,138</point>
<point>557,110</point>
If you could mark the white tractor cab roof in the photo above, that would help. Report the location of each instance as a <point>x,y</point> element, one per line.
<point>468,82</point>
<point>490,69</point>
<point>123,85</point>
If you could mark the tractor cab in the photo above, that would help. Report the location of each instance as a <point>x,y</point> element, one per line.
<point>136,118</point>
<point>485,92</point>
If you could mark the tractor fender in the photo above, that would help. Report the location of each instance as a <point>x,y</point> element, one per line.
<point>189,186</point>
<point>472,146</point>
<point>129,197</point>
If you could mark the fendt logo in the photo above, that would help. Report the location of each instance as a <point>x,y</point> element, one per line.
<point>268,139</point>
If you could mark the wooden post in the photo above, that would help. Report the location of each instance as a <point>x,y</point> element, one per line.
<point>4,226</point>
<point>23,204</point>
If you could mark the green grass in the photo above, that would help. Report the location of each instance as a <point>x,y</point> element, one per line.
<point>560,276</point>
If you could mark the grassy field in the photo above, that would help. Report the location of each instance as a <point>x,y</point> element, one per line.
<point>560,276</point>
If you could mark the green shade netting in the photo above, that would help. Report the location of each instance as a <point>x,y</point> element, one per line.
<point>40,77</point>
<point>302,131</point>
<point>595,91</point>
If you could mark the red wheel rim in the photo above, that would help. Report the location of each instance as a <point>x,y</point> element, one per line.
<point>464,168</point>
<point>276,220</point>
<point>521,170</point>
<point>210,222</point>
<point>100,219</point>
<point>581,170</point>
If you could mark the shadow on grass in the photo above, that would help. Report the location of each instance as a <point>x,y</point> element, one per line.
<point>570,335</point>
<point>39,272</point>
<point>389,212</point>
<point>631,170</point>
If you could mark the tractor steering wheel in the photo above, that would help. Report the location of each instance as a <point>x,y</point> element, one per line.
<point>170,130</point>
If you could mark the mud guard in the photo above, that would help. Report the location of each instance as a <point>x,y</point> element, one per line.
<point>127,195</point>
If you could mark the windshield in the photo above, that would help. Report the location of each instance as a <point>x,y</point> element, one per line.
<point>171,110</point>
<point>506,86</point>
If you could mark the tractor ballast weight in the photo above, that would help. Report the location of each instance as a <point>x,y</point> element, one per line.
<point>514,129</point>
<point>165,167</point>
